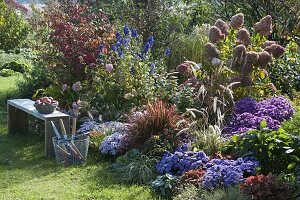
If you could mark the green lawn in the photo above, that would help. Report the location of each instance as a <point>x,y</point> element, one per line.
<point>25,173</point>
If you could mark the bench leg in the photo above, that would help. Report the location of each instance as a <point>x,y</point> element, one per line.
<point>17,121</point>
<point>49,134</point>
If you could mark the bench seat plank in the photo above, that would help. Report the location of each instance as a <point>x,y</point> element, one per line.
<point>27,106</point>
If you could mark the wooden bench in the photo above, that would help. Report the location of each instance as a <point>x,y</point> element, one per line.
<point>17,120</point>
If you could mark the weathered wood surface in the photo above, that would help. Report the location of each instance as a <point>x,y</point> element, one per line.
<point>17,120</point>
<point>27,106</point>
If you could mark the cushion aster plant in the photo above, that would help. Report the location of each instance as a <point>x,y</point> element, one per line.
<point>249,114</point>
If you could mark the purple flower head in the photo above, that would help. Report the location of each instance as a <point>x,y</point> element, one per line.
<point>120,53</point>
<point>146,48</point>
<point>101,48</point>
<point>126,42</point>
<point>140,56</point>
<point>64,87</point>
<point>126,30</point>
<point>245,105</point>
<point>167,52</point>
<point>114,47</point>
<point>118,35</point>
<point>150,40</point>
<point>77,86</point>
<point>109,67</point>
<point>134,33</point>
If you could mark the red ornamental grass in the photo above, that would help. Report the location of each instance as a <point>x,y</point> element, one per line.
<point>156,120</point>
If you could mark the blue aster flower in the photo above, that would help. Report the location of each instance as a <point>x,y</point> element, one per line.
<point>118,35</point>
<point>114,47</point>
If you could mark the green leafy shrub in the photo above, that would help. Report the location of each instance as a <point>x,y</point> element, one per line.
<point>277,151</point>
<point>18,66</point>
<point>6,72</point>
<point>188,46</point>
<point>233,193</point>
<point>187,192</point>
<point>284,72</point>
<point>13,28</point>
<point>135,167</point>
<point>34,80</point>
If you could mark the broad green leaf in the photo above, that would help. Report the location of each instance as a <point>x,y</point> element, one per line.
<point>292,165</point>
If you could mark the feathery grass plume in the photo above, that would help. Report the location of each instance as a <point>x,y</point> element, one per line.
<point>223,26</point>
<point>264,26</point>
<point>157,120</point>
<point>243,37</point>
<point>215,35</point>
<point>237,21</point>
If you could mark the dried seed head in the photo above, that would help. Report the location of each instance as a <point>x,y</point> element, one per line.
<point>222,26</point>
<point>215,35</point>
<point>264,58</point>
<point>243,37</point>
<point>264,26</point>
<point>237,21</point>
<point>211,51</point>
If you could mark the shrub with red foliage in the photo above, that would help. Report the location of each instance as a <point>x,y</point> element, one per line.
<point>194,177</point>
<point>77,32</point>
<point>156,121</point>
<point>263,187</point>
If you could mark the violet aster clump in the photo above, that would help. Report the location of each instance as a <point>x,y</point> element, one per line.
<point>249,114</point>
<point>228,172</point>
<point>112,144</point>
<point>181,161</point>
<point>278,108</point>
<point>245,105</point>
<point>77,86</point>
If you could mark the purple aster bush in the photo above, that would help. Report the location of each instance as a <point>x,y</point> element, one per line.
<point>278,108</point>
<point>228,172</point>
<point>112,144</point>
<point>249,114</point>
<point>245,105</point>
<point>181,161</point>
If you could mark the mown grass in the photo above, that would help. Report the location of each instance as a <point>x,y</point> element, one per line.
<point>25,173</point>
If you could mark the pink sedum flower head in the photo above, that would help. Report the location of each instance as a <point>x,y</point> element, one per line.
<point>264,58</point>
<point>264,26</point>
<point>237,21</point>
<point>267,43</point>
<point>211,51</point>
<point>215,35</point>
<point>77,86</point>
<point>109,67</point>
<point>243,37</point>
<point>251,57</point>
<point>223,26</point>
<point>246,81</point>
<point>276,50</point>
<point>247,69</point>
<point>239,53</point>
